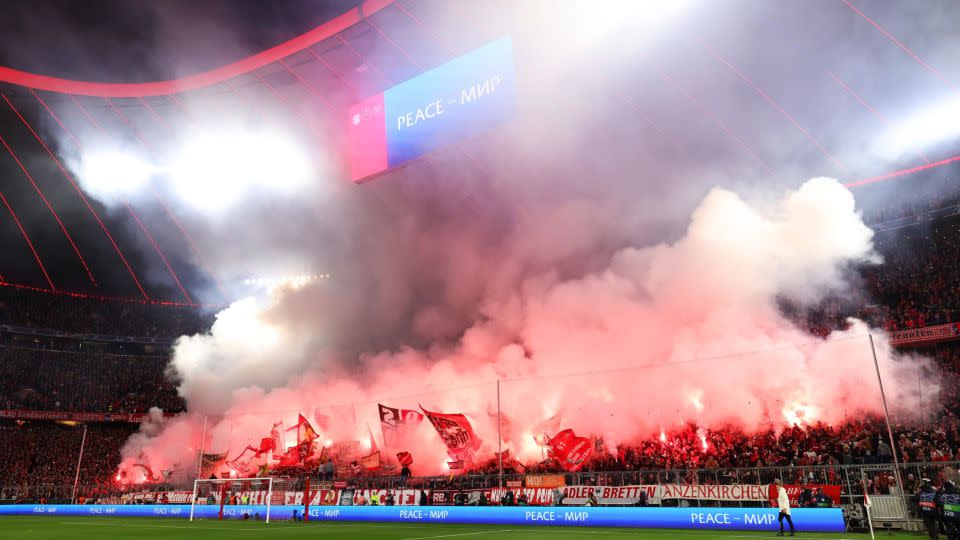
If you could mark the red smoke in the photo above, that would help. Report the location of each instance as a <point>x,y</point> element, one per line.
<point>662,334</point>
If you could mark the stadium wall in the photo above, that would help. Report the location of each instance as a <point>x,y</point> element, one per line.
<point>734,519</point>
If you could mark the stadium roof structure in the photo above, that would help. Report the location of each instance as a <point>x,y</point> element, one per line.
<point>314,76</point>
<point>312,80</point>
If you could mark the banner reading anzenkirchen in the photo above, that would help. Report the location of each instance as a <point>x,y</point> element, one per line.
<point>628,495</point>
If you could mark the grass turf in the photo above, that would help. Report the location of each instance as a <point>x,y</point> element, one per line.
<point>46,527</point>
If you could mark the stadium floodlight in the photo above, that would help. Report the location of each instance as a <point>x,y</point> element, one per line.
<point>930,126</point>
<point>210,172</point>
<point>109,174</point>
<point>280,164</point>
<point>639,19</point>
<point>293,282</point>
<point>214,170</point>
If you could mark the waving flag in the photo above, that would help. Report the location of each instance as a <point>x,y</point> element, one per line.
<point>373,442</point>
<point>371,462</point>
<point>207,460</point>
<point>397,423</point>
<point>571,451</point>
<point>305,431</point>
<point>542,430</point>
<point>276,433</point>
<point>242,462</point>
<point>267,444</point>
<point>457,434</point>
<point>291,458</point>
<point>295,456</point>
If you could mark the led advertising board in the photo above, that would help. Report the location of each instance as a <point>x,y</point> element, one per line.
<point>468,95</point>
<point>734,519</point>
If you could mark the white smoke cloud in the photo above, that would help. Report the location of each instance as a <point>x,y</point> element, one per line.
<point>658,335</point>
<point>243,348</point>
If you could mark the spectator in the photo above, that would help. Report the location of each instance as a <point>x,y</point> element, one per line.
<point>404,475</point>
<point>884,454</point>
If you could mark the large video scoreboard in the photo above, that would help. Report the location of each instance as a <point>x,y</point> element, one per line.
<point>470,94</point>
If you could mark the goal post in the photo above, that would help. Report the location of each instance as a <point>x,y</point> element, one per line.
<point>244,493</point>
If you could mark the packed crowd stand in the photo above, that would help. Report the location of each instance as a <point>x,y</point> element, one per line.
<point>39,453</point>
<point>918,285</point>
<point>46,454</point>
<point>33,309</point>
<point>33,379</point>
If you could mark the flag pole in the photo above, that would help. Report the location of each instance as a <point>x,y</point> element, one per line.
<point>203,438</point>
<point>76,479</point>
<point>499,438</point>
<point>893,444</point>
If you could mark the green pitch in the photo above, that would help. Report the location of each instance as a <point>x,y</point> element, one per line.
<point>79,528</point>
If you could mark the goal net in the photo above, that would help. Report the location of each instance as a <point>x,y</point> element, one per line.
<point>234,498</point>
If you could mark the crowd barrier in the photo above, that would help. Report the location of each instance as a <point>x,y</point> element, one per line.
<point>734,519</point>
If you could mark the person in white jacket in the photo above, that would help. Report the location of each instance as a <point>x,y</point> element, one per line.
<point>783,502</point>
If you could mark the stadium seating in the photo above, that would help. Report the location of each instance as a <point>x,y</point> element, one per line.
<point>24,307</point>
<point>49,380</point>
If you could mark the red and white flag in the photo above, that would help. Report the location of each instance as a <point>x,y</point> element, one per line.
<point>541,431</point>
<point>457,433</point>
<point>397,424</point>
<point>242,462</point>
<point>571,451</point>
